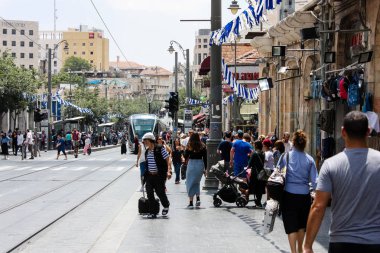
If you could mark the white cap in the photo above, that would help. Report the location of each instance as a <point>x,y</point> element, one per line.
<point>149,136</point>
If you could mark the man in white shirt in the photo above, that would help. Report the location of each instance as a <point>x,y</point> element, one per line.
<point>29,140</point>
<point>287,143</point>
<point>20,140</point>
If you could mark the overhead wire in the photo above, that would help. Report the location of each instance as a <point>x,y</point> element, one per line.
<point>109,31</point>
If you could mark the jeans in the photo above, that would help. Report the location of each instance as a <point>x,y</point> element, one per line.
<point>177,170</point>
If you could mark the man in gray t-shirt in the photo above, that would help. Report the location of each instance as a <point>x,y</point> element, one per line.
<point>352,180</point>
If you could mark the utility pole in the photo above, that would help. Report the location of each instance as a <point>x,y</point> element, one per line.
<point>175,128</point>
<point>188,92</point>
<point>211,183</point>
<point>49,98</point>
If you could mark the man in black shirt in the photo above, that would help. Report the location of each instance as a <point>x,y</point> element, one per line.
<point>224,149</point>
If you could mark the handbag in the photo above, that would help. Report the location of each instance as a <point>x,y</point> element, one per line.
<point>265,173</point>
<point>276,182</point>
<point>183,171</point>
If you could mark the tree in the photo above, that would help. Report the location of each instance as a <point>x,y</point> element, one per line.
<point>17,87</point>
<point>64,77</point>
<point>76,64</point>
<point>196,94</point>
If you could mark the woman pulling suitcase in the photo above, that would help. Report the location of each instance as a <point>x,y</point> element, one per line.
<point>158,170</point>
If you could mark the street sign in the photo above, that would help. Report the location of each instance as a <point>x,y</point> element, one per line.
<point>188,120</point>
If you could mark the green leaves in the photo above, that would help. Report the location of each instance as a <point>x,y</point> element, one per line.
<point>76,64</point>
<point>16,85</point>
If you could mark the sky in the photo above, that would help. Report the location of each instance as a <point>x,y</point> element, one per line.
<point>142,28</point>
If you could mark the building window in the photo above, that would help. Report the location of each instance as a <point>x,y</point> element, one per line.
<point>4,31</point>
<point>30,44</point>
<point>199,40</point>
<point>4,43</point>
<point>75,53</point>
<point>91,61</point>
<point>13,43</point>
<point>14,55</point>
<point>199,46</point>
<point>91,53</point>
<point>83,44</point>
<point>30,55</point>
<point>205,46</point>
<point>55,63</point>
<point>91,44</point>
<point>22,43</point>
<point>83,53</point>
<point>199,59</point>
<point>13,31</point>
<point>22,32</point>
<point>22,55</point>
<point>30,66</point>
<point>205,40</point>
<point>204,56</point>
<point>30,32</point>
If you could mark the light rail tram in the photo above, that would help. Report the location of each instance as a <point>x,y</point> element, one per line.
<point>140,124</point>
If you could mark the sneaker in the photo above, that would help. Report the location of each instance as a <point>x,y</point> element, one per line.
<point>31,158</point>
<point>151,216</point>
<point>176,182</point>
<point>190,206</point>
<point>198,203</point>
<point>165,211</point>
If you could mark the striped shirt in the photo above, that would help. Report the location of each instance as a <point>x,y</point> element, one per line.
<point>152,166</point>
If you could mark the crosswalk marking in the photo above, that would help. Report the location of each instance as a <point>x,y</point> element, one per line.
<point>6,167</point>
<point>41,168</point>
<point>79,168</point>
<point>24,168</point>
<point>59,168</point>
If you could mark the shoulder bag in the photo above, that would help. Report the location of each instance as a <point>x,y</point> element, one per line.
<point>265,173</point>
<point>276,182</point>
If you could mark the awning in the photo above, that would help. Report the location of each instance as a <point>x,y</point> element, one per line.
<point>106,124</point>
<point>205,66</point>
<point>199,117</point>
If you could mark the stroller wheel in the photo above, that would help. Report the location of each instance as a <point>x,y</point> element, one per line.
<point>241,202</point>
<point>217,202</point>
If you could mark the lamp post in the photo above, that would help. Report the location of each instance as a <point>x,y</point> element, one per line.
<point>211,183</point>
<point>186,56</point>
<point>66,49</point>
<point>149,99</point>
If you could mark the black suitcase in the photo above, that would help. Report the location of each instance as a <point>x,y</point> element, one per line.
<point>144,205</point>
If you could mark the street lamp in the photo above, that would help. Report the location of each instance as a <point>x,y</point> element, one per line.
<point>66,50</point>
<point>186,56</point>
<point>234,7</point>
<point>149,99</point>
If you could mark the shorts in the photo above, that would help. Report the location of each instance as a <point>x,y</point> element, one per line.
<point>61,150</point>
<point>295,211</point>
<point>341,247</point>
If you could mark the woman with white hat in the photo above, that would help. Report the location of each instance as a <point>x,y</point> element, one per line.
<point>157,171</point>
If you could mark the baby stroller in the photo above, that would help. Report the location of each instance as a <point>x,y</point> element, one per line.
<point>228,193</point>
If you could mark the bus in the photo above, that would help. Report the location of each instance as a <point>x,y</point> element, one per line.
<point>140,124</point>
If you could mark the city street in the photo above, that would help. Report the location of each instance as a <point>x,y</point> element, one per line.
<point>89,204</point>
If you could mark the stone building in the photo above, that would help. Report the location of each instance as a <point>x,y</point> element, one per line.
<point>346,28</point>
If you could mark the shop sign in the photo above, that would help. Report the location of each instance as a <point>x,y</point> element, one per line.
<point>247,76</point>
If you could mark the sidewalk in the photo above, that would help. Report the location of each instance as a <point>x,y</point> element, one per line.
<point>208,229</point>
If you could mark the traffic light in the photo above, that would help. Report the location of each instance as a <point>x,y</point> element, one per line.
<point>173,104</point>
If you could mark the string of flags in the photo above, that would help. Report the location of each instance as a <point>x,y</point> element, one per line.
<point>250,17</point>
<point>44,97</point>
<point>250,94</point>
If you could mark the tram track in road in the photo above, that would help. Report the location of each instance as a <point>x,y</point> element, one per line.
<point>49,167</point>
<point>50,224</point>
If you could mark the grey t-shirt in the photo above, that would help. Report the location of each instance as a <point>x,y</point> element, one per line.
<point>353,179</point>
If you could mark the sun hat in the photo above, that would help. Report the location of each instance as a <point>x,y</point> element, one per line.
<point>149,136</point>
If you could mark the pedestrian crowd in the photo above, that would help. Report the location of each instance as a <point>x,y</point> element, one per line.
<point>348,180</point>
